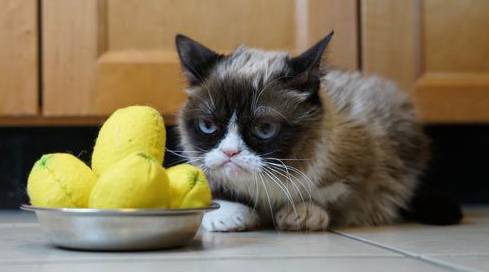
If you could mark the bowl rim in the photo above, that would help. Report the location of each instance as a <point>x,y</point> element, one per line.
<point>88,211</point>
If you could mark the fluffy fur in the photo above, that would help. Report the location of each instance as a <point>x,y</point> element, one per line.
<point>347,152</point>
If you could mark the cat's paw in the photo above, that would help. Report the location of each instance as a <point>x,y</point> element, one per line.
<point>307,216</point>
<point>231,216</point>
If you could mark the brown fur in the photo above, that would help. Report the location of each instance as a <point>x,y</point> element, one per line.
<point>355,140</point>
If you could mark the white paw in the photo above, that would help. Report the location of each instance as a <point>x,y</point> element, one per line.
<point>231,216</point>
<point>307,216</point>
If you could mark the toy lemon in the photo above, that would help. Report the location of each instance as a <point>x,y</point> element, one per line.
<point>188,187</point>
<point>136,181</point>
<point>128,130</point>
<point>60,180</point>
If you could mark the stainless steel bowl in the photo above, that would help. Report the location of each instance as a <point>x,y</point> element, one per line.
<point>119,229</point>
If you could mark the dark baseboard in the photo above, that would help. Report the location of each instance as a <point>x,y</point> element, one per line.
<point>457,169</point>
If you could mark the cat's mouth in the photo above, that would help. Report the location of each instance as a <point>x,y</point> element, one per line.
<point>233,166</point>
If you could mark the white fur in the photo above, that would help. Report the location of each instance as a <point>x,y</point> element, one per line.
<point>361,113</point>
<point>245,161</point>
<point>246,175</point>
<point>231,216</point>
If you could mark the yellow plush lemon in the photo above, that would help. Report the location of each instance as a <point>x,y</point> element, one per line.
<point>128,130</point>
<point>136,181</point>
<point>188,187</point>
<point>60,180</point>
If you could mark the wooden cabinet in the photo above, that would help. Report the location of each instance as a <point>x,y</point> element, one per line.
<point>99,55</point>
<point>102,55</point>
<point>438,49</point>
<point>18,58</point>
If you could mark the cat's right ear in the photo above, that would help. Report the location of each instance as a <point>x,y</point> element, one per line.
<point>196,59</point>
<point>310,59</point>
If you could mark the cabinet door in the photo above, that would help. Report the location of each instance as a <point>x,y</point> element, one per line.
<point>105,54</point>
<point>18,58</point>
<point>438,49</point>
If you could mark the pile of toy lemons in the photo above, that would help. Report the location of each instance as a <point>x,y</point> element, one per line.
<point>126,170</point>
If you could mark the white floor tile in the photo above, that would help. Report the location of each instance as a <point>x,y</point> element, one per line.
<point>451,244</point>
<point>23,247</point>
<point>333,264</point>
<point>477,262</point>
<point>16,216</point>
<point>29,244</point>
<point>470,237</point>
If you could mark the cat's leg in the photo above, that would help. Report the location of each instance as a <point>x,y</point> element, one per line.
<point>306,216</point>
<point>232,216</point>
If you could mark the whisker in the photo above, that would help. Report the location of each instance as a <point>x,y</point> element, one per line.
<point>201,149</point>
<point>268,153</point>
<point>256,192</point>
<point>272,109</point>
<point>284,189</point>
<point>294,170</point>
<point>181,151</point>
<point>183,161</point>
<point>308,181</point>
<point>269,202</point>
<point>269,158</point>
<point>183,156</point>
<point>278,169</point>
<point>257,98</point>
<point>287,177</point>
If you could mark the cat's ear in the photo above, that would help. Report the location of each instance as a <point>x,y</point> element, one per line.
<point>311,59</point>
<point>195,58</point>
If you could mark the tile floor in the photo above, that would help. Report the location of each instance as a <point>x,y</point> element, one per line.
<point>407,247</point>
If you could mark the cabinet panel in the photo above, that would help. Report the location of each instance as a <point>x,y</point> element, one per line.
<point>18,58</point>
<point>456,35</point>
<point>434,48</point>
<point>70,50</point>
<point>390,40</point>
<point>102,55</point>
<point>220,24</point>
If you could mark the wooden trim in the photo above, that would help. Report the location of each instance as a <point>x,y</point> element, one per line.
<point>35,121</point>
<point>102,27</point>
<point>453,98</point>
<point>301,25</point>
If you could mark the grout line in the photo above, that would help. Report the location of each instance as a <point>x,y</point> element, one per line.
<point>159,258</point>
<point>426,259</point>
<point>359,36</point>
<point>40,59</point>
<point>18,225</point>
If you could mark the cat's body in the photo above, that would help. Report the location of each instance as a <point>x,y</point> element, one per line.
<point>285,141</point>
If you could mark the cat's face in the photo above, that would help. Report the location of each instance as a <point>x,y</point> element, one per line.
<point>250,112</point>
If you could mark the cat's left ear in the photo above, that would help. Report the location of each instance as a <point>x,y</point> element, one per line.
<point>196,59</point>
<point>311,59</point>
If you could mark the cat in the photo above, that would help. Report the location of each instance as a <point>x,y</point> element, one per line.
<point>291,142</point>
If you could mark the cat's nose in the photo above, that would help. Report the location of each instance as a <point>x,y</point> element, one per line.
<point>230,153</point>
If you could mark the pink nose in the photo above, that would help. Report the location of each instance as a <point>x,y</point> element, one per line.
<point>230,153</point>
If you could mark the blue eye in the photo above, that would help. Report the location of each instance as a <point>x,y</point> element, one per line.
<point>207,126</point>
<point>265,131</point>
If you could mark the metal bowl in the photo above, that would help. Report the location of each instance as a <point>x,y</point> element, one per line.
<point>119,229</point>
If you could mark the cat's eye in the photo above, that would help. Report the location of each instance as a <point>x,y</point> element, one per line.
<point>207,126</point>
<point>265,131</point>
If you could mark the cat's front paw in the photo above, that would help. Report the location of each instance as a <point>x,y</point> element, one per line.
<point>231,216</point>
<point>306,216</point>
